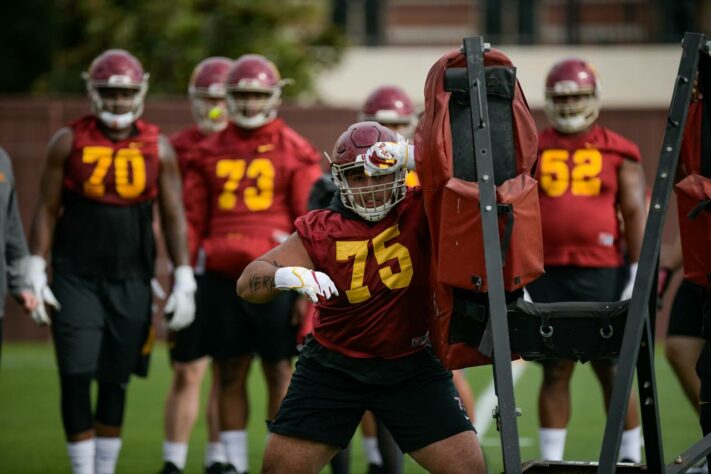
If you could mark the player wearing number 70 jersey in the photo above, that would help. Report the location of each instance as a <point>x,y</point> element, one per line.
<point>365,260</point>
<point>102,176</point>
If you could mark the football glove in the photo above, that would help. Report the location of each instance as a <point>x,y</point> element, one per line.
<point>627,292</point>
<point>180,308</point>
<point>305,281</point>
<point>387,157</point>
<point>37,278</point>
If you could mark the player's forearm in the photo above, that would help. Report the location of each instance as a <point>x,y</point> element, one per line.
<point>175,230</point>
<point>634,232</point>
<point>256,284</point>
<point>42,230</point>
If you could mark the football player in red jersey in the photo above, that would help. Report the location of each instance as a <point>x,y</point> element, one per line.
<point>101,178</point>
<point>248,184</point>
<point>365,262</point>
<point>187,347</point>
<point>585,173</point>
<point>390,106</point>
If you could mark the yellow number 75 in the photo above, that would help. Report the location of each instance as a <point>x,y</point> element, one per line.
<point>358,249</point>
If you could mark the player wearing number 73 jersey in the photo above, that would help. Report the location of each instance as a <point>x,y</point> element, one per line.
<point>365,262</point>
<point>246,186</point>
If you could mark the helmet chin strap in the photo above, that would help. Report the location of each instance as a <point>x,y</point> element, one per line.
<point>117,121</point>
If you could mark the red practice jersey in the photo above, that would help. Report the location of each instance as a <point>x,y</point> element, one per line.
<point>245,190</point>
<point>119,173</point>
<point>578,187</point>
<point>381,271</point>
<point>185,143</point>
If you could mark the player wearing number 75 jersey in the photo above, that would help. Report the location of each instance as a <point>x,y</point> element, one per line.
<point>103,174</point>
<point>586,173</point>
<point>365,261</point>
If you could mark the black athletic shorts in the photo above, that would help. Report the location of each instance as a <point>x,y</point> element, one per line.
<point>568,283</point>
<point>686,312</point>
<point>101,325</point>
<point>413,396</point>
<point>227,326</point>
<point>191,343</point>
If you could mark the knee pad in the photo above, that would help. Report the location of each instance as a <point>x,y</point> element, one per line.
<point>110,403</point>
<point>76,403</point>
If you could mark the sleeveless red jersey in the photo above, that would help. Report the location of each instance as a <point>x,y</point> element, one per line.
<point>246,188</point>
<point>185,143</point>
<point>381,271</point>
<point>120,173</point>
<point>578,185</point>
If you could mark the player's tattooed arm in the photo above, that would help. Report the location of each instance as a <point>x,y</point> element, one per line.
<point>172,213</point>
<point>256,284</point>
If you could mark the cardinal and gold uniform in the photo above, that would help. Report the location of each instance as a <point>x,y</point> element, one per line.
<point>244,188</point>
<point>369,349</point>
<point>578,188</point>
<point>104,250</point>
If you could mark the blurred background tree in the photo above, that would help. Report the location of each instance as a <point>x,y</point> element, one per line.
<point>48,44</point>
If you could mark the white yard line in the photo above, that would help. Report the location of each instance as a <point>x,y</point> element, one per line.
<point>486,402</point>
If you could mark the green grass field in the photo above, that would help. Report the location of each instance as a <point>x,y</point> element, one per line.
<point>31,439</point>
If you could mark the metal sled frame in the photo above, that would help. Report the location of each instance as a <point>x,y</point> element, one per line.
<point>638,341</point>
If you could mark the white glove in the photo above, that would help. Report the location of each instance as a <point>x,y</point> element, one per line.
<point>386,158</point>
<point>305,281</point>
<point>181,302</point>
<point>37,278</point>
<point>410,165</point>
<point>627,292</point>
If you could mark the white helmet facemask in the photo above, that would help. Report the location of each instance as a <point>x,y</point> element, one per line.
<point>209,116</point>
<point>242,110</point>
<point>572,116</point>
<point>101,106</point>
<point>372,202</point>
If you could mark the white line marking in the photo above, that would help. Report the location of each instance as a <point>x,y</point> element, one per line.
<point>488,400</point>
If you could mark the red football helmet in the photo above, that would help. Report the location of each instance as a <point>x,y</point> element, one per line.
<point>371,202</point>
<point>572,96</point>
<point>113,70</point>
<point>257,78</point>
<point>390,106</point>
<point>207,93</point>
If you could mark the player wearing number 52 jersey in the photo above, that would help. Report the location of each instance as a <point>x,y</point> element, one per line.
<point>102,176</point>
<point>579,189</point>
<point>586,173</point>
<point>247,184</point>
<point>365,262</point>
